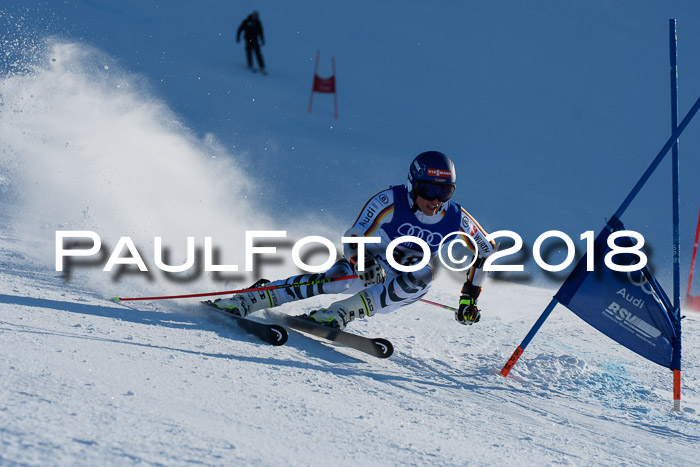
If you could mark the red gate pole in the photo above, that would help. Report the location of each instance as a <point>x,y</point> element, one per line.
<point>688,296</point>
<point>335,89</point>
<point>324,85</point>
<point>313,83</point>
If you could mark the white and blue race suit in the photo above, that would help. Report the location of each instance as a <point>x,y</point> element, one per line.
<point>388,215</point>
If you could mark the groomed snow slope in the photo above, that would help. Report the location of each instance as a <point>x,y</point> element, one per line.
<point>86,381</point>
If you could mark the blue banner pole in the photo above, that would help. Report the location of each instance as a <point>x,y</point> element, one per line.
<point>673,38</point>
<point>659,157</point>
<point>676,363</point>
<point>523,345</point>
<point>623,207</point>
<point>677,129</point>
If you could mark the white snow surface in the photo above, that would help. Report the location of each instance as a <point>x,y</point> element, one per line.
<point>86,381</point>
<point>154,128</point>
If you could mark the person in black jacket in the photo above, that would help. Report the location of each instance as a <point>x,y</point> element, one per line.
<point>251,27</point>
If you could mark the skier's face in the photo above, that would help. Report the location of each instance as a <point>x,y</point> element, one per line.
<point>428,207</point>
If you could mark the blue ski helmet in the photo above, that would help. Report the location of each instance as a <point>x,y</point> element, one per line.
<point>431,176</point>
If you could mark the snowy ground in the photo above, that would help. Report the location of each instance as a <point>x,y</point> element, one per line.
<point>139,119</point>
<point>86,381</point>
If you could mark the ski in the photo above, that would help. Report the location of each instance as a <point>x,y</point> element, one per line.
<point>270,333</point>
<point>377,347</point>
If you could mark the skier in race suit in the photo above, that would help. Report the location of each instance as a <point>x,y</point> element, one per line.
<point>421,208</point>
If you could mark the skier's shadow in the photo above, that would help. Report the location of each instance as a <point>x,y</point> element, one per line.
<point>120,313</point>
<point>330,358</point>
<point>229,330</point>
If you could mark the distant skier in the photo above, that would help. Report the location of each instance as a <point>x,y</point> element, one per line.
<point>420,208</point>
<point>251,27</point>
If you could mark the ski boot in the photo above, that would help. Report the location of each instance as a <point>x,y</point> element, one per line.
<point>339,314</point>
<point>245,303</point>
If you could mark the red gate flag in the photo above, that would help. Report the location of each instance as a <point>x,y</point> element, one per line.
<point>324,85</point>
<point>693,301</point>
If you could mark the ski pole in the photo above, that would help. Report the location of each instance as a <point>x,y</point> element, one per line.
<point>446,307</point>
<point>256,289</point>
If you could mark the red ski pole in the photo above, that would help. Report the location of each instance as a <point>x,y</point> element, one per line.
<point>255,289</point>
<point>446,307</point>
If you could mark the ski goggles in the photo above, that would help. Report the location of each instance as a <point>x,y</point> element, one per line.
<point>430,191</point>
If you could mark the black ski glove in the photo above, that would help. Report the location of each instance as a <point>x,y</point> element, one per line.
<point>468,313</point>
<point>373,274</point>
